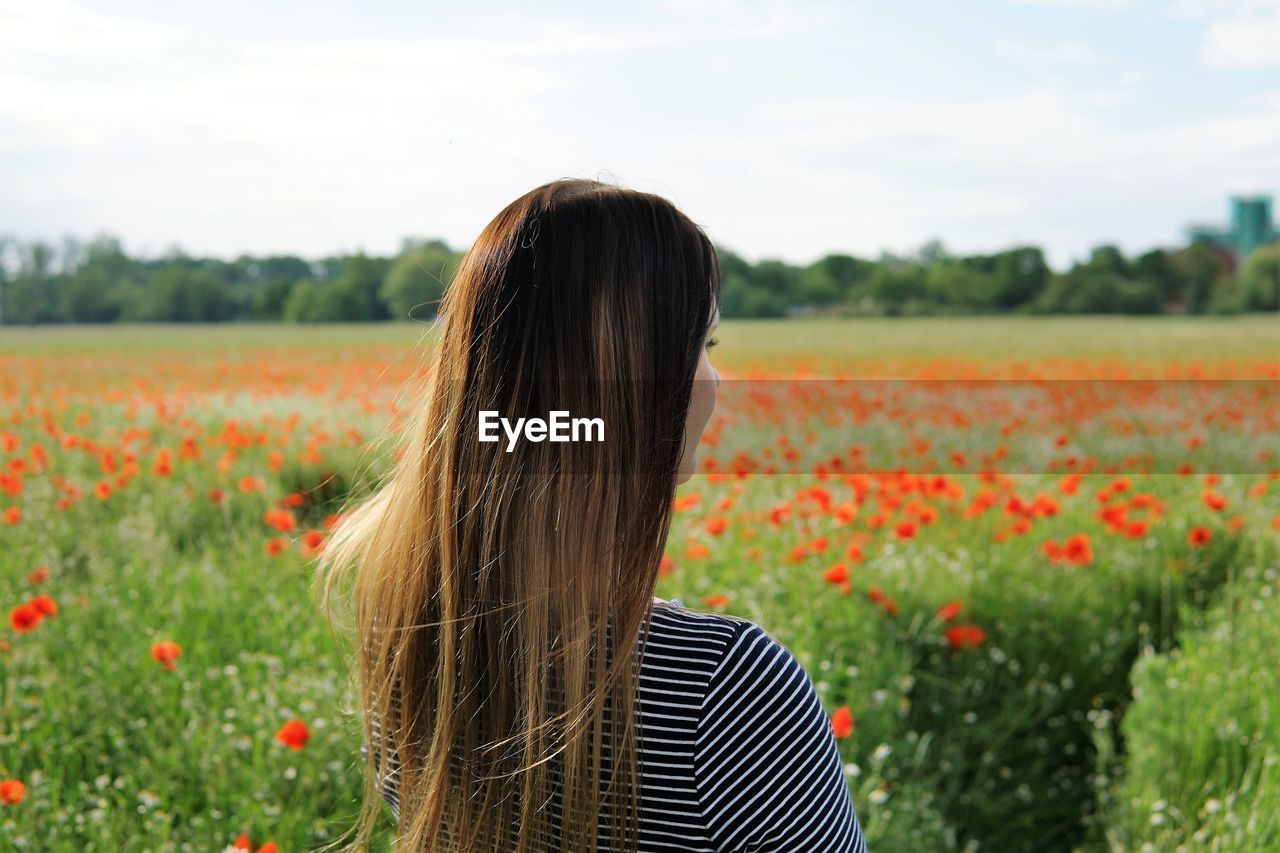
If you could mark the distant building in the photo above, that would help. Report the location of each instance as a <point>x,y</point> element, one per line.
<point>1250,228</point>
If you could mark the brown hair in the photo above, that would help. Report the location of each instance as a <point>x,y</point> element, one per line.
<point>501,598</point>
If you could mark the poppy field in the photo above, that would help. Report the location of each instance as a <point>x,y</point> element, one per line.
<point>1030,564</point>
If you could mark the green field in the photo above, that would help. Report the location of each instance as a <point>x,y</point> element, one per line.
<point>140,465</point>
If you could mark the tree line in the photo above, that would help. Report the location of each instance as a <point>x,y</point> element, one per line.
<point>97,282</point>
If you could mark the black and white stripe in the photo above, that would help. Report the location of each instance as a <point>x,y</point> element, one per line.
<point>736,750</point>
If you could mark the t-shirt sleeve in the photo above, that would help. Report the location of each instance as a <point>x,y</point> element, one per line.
<point>768,772</point>
<point>387,776</point>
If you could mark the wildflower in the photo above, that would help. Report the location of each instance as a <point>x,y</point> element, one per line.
<point>666,566</point>
<point>1199,536</point>
<point>715,600</point>
<point>24,618</point>
<point>281,519</point>
<point>842,722</point>
<point>12,515</point>
<point>949,611</point>
<point>39,574</point>
<point>1213,500</point>
<point>294,734</point>
<point>837,574</point>
<point>312,543</point>
<point>965,636</point>
<point>12,791</point>
<point>1078,550</point>
<point>905,529</point>
<point>45,604</point>
<point>166,652</point>
<point>717,525</point>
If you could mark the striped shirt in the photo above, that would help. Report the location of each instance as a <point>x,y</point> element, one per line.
<point>735,749</point>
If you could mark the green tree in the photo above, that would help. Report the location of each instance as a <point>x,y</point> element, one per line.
<point>181,294</point>
<point>1200,269</point>
<point>417,278</point>
<point>1157,268</point>
<point>896,284</point>
<point>835,279</point>
<point>357,287</point>
<point>1110,259</point>
<point>1260,279</point>
<point>31,296</point>
<point>1018,275</point>
<point>960,284</point>
<point>100,288</point>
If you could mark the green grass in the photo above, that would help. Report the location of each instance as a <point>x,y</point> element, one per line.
<point>1023,743</point>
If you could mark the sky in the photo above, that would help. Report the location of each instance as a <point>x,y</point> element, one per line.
<point>787,130</point>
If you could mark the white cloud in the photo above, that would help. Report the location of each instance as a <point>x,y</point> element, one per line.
<point>1036,57</point>
<point>1237,32</point>
<point>1091,4</point>
<point>57,27</point>
<point>1246,38</point>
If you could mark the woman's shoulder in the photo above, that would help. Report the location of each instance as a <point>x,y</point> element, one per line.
<point>721,638</point>
<point>675,616</point>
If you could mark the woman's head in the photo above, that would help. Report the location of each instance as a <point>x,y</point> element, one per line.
<point>502,588</point>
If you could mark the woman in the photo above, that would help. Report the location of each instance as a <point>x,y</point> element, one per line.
<point>537,695</point>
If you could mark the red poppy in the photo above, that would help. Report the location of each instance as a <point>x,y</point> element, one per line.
<point>1199,535</point>
<point>842,722</point>
<point>949,611</point>
<point>837,574</point>
<point>1078,550</point>
<point>24,618</point>
<point>717,525</point>
<point>281,519</point>
<point>294,734</point>
<point>965,636</point>
<point>1136,529</point>
<point>12,791</point>
<point>166,652</point>
<point>45,604</point>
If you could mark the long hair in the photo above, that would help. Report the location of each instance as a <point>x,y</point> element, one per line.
<point>502,592</point>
